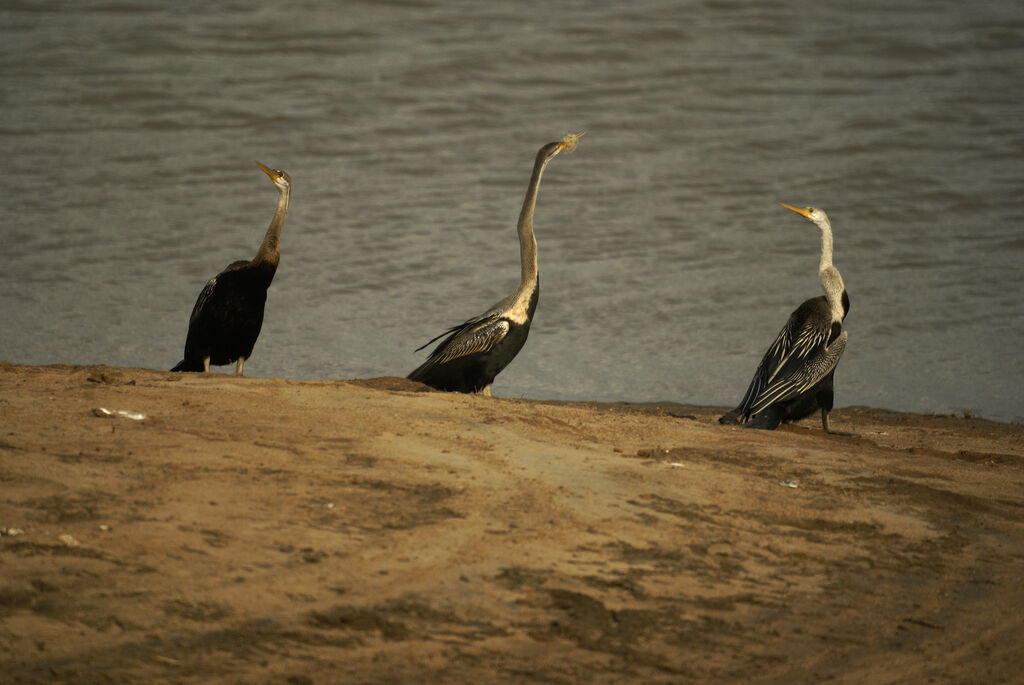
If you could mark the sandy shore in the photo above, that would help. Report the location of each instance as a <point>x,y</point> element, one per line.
<point>269,531</point>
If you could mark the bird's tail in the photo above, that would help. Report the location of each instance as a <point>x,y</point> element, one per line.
<point>769,419</point>
<point>186,365</point>
<point>419,374</point>
<point>735,416</point>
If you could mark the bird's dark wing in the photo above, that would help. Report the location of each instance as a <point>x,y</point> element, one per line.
<point>203,300</point>
<point>455,329</point>
<point>800,374</point>
<point>215,288</point>
<point>807,330</point>
<point>472,337</point>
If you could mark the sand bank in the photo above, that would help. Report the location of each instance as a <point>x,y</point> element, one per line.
<point>219,529</point>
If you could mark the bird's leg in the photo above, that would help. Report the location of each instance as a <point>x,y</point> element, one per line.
<point>241,363</point>
<point>827,427</point>
<point>206,364</point>
<point>486,390</point>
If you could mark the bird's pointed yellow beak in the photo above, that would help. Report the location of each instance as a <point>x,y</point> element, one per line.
<point>569,142</point>
<point>802,211</point>
<point>268,172</point>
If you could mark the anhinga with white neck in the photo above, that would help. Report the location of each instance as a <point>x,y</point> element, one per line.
<point>795,377</point>
<point>476,351</point>
<point>228,313</point>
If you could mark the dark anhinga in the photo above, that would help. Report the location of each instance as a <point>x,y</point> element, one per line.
<point>476,351</point>
<point>794,379</point>
<point>228,314</point>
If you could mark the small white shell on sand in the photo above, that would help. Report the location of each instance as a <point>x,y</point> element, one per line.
<point>118,413</point>
<point>68,540</point>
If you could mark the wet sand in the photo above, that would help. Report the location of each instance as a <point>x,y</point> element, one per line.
<point>269,531</point>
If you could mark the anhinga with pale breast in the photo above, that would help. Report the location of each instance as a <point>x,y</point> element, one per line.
<point>476,351</point>
<point>795,377</point>
<point>228,314</point>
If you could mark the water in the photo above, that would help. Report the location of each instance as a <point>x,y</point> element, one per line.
<point>409,129</point>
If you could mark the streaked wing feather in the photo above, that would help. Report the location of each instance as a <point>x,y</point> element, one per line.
<point>769,366</point>
<point>204,297</point>
<point>473,339</point>
<point>456,328</point>
<point>799,378</point>
<point>805,333</point>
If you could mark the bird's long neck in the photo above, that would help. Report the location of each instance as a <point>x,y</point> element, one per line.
<point>527,242</point>
<point>831,280</point>
<point>270,248</point>
<point>826,246</point>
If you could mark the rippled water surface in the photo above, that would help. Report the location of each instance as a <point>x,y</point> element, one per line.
<point>409,129</point>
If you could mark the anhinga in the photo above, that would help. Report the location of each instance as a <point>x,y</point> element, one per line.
<point>476,351</point>
<point>796,374</point>
<point>228,314</point>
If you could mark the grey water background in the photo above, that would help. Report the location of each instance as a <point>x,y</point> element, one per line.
<point>409,129</point>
